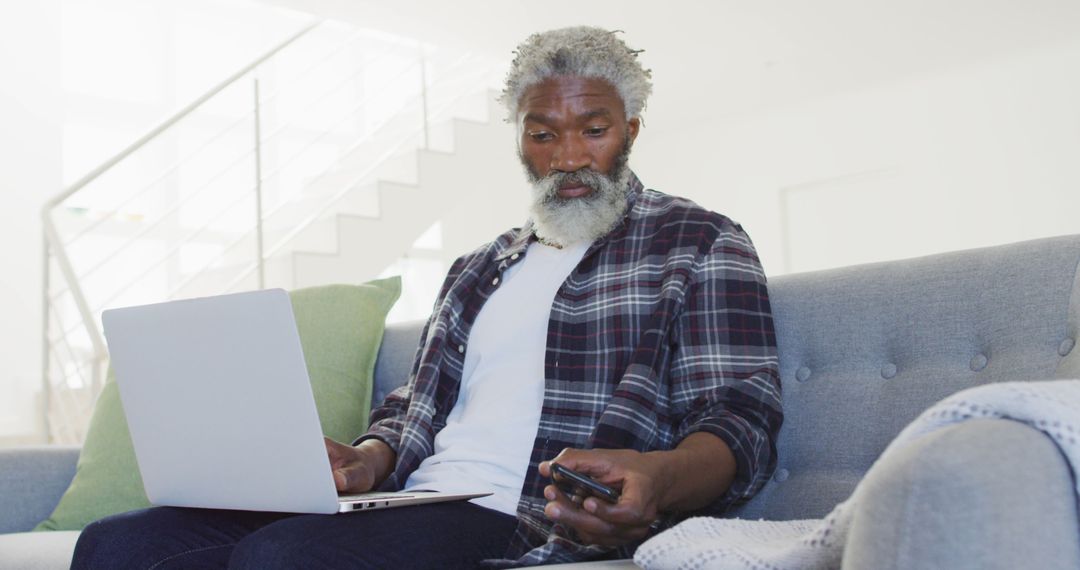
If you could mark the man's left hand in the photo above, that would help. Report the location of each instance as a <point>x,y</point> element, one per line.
<point>638,477</point>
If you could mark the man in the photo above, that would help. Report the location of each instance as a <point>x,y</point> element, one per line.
<point>621,333</point>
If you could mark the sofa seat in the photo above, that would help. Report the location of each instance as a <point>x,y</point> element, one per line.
<point>37,550</point>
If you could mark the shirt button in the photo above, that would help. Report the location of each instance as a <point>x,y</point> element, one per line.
<point>495,281</point>
<point>515,256</point>
<point>461,348</point>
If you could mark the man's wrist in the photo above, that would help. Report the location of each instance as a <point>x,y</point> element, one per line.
<point>378,456</point>
<point>698,471</point>
<point>665,467</point>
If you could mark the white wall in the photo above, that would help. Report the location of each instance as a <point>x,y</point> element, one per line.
<point>963,157</point>
<point>837,132</point>
<point>30,172</point>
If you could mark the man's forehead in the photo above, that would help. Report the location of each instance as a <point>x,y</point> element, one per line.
<point>539,115</point>
<point>586,95</point>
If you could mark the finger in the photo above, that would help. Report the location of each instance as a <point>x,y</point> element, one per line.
<point>559,503</point>
<point>596,463</point>
<point>630,526</point>
<point>625,511</point>
<point>589,531</point>
<point>571,458</point>
<point>334,451</point>
<point>575,499</point>
<point>352,479</point>
<point>627,528</point>
<point>632,508</point>
<point>561,509</point>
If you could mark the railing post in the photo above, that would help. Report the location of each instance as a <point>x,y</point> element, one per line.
<point>46,386</point>
<point>423,97</point>
<point>97,340</point>
<point>260,261</point>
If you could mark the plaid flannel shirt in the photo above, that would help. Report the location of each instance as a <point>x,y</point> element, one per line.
<point>662,330</point>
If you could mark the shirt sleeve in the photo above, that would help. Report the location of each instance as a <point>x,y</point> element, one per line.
<point>387,419</point>
<point>725,372</point>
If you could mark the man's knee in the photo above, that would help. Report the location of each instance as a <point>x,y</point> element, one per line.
<point>93,540</point>
<point>274,547</point>
<point>160,538</point>
<point>107,543</point>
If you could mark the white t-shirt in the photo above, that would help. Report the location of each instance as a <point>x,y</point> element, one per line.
<point>490,432</point>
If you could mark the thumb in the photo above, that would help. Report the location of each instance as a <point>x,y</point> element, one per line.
<point>352,478</point>
<point>584,461</point>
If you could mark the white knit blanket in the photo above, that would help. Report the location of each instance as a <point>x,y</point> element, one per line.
<point>1052,407</point>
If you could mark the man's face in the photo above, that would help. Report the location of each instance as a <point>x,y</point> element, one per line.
<point>575,141</point>
<point>568,124</point>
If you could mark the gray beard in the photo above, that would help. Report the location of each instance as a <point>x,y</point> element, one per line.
<point>566,221</point>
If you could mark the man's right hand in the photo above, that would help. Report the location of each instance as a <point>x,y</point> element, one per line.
<point>362,468</point>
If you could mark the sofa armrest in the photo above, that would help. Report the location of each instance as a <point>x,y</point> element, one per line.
<point>32,480</point>
<point>985,493</point>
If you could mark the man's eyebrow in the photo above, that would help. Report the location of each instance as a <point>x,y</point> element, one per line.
<point>538,118</point>
<point>597,114</point>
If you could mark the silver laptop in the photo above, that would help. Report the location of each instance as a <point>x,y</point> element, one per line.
<point>220,408</point>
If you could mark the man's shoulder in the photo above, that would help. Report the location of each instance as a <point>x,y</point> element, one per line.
<point>667,212</point>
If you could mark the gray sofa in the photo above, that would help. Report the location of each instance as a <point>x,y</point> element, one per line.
<point>863,350</point>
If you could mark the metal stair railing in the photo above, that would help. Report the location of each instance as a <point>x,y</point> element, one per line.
<point>172,209</point>
<point>221,133</point>
<point>217,175</point>
<point>392,149</point>
<point>327,205</point>
<point>55,246</point>
<point>80,368</point>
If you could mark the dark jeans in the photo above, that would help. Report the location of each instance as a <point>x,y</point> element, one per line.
<point>440,535</point>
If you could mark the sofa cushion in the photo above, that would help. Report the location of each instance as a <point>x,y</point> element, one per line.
<point>32,480</point>
<point>37,550</point>
<point>341,328</point>
<point>865,349</point>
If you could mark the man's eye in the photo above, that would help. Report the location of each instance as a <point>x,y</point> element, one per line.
<point>595,131</point>
<point>541,136</point>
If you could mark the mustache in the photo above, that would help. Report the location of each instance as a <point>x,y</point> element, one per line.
<point>584,177</point>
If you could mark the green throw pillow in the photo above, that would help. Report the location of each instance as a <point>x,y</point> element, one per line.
<point>340,326</point>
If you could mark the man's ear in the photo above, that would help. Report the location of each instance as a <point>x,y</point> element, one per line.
<point>632,128</point>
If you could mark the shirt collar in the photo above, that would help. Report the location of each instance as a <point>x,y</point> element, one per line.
<point>525,235</point>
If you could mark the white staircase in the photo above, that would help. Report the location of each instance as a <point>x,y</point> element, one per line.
<point>376,222</point>
<point>457,189</point>
<point>288,191</point>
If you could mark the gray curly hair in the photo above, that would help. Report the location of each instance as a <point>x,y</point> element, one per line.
<point>580,51</point>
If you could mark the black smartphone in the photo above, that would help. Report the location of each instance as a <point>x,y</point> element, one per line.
<point>575,483</point>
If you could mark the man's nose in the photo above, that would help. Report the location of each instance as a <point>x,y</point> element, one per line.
<point>571,154</point>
